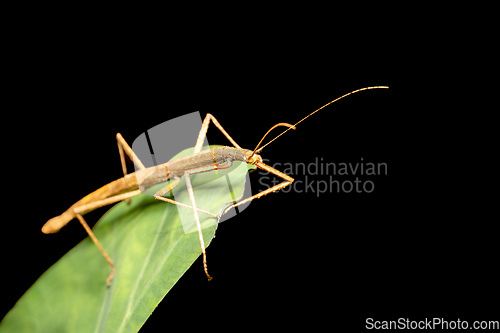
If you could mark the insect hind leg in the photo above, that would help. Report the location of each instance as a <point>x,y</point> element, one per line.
<point>99,246</point>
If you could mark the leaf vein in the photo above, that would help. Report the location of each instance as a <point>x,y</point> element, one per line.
<point>141,273</point>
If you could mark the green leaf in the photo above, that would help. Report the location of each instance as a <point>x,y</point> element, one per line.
<point>150,249</point>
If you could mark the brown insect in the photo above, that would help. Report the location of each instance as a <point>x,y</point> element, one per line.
<point>198,162</point>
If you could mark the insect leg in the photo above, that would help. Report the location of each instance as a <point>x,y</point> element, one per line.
<point>189,187</point>
<point>82,209</point>
<point>124,147</point>
<point>159,195</point>
<point>203,133</point>
<point>99,246</point>
<point>198,225</point>
<point>97,204</point>
<point>260,165</point>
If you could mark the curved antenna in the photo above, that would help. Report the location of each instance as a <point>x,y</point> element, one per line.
<point>293,126</point>
<point>277,125</point>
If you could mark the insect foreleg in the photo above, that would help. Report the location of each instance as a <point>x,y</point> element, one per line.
<point>265,167</point>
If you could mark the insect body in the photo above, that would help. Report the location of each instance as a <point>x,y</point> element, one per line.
<point>204,161</point>
<point>198,162</point>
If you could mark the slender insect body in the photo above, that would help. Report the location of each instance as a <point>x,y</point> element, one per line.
<point>121,185</point>
<point>200,161</point>
<point>204,158</point>
<point>204,161</point>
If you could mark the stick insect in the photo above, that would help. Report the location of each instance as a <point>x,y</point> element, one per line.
<point>198,162</point>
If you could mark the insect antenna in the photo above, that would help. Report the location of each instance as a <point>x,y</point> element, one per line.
<point>269,131</point>
<point>258,150</point>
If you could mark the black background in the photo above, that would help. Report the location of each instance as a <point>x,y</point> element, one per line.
<point>419,246</point>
